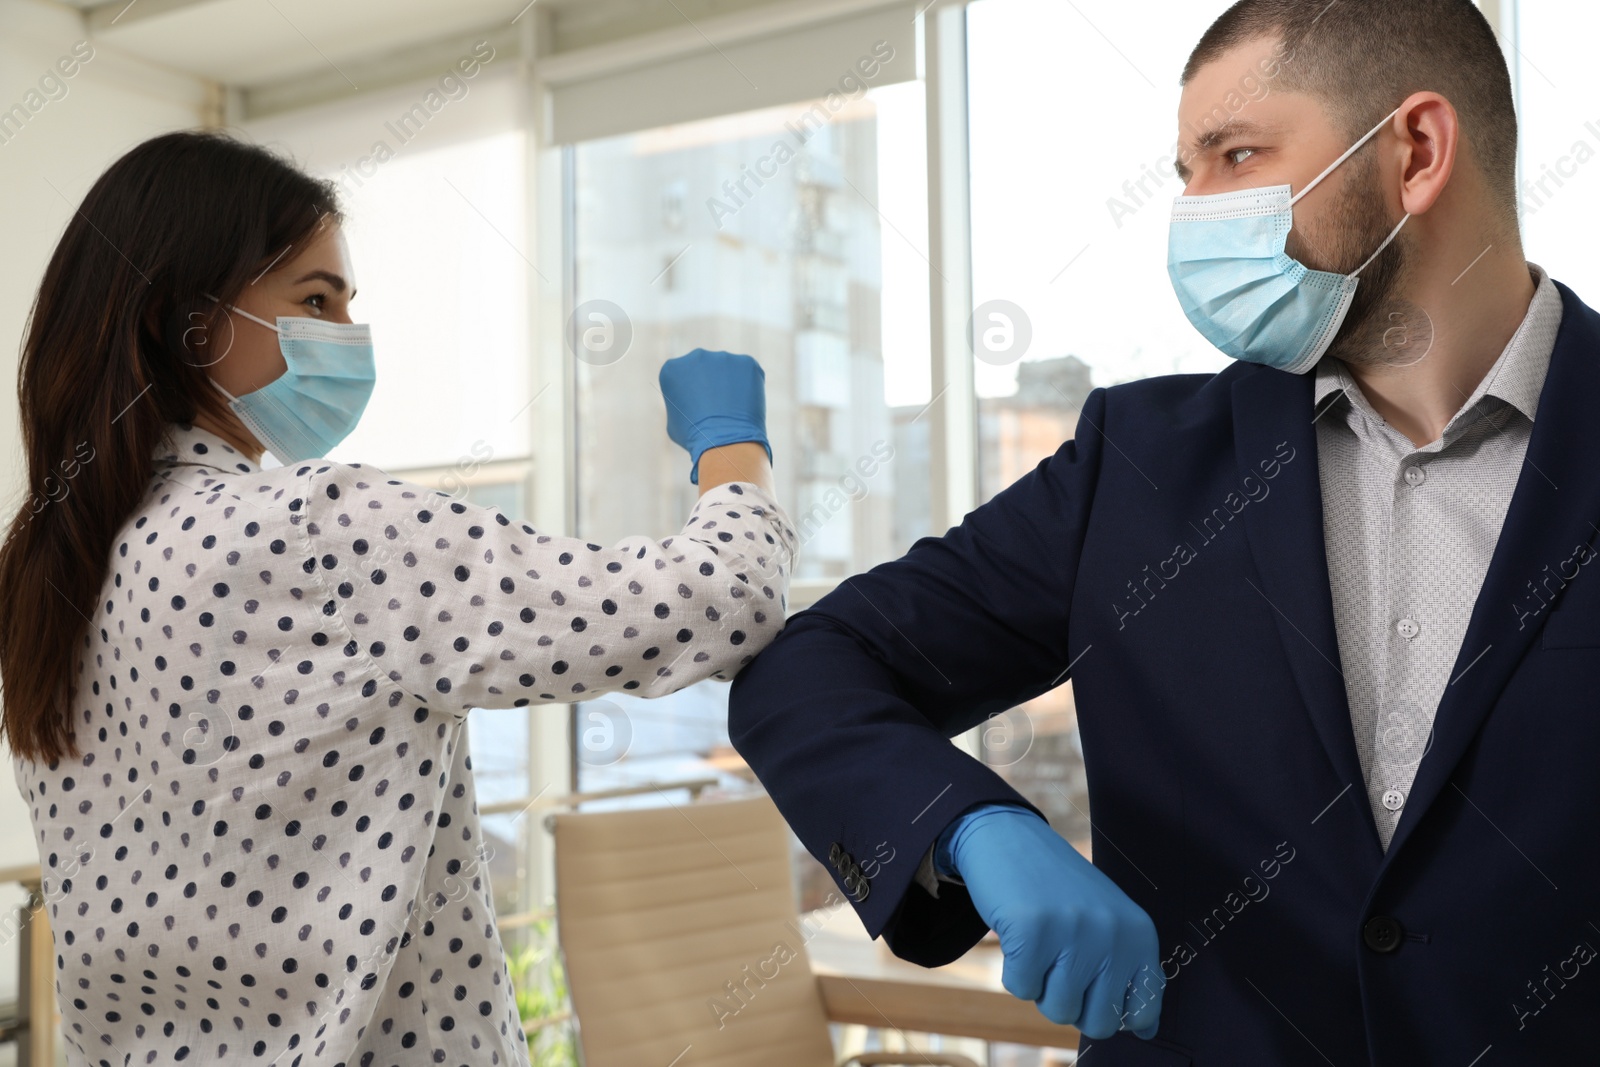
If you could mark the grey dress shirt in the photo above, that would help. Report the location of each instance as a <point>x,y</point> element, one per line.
<point>1409,535</point>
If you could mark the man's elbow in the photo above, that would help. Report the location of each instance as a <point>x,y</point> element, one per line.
<point>749,695</point>
<point>758,686</point>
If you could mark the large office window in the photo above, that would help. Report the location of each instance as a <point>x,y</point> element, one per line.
<point>434,239</point>
<point>796,235</point>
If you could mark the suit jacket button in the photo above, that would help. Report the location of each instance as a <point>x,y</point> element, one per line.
<point>833,853</point>
<point>845,862</point>
<point>1382,934</point>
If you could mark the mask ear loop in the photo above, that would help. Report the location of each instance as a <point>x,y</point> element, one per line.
<point>240,311</point>
<point>214,384</point>
<point>271,399</point>
<point>1392,235</point>
<point>1350,152</point>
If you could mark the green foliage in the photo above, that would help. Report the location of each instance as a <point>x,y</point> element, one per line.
<point>540,982</point>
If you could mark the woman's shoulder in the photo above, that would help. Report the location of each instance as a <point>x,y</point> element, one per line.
<point>183,492</point>
<point>192,459</point>
<point>285,504</point>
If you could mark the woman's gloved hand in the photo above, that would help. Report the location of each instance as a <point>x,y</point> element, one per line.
<point>714,399</point>
<point>1073,941</point>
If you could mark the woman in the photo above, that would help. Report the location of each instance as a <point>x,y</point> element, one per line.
<point>236,695</point>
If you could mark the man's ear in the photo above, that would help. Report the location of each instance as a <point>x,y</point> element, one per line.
<point>1430,138</point>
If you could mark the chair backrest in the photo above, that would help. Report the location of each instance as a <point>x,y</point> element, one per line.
<point>681,938</point>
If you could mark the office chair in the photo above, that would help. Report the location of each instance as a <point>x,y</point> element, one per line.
<point>682,941</point>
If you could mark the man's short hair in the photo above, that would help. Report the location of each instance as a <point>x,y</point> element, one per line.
<point>1362,58</point>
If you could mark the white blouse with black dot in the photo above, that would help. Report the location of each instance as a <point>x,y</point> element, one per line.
<point>268,850</point>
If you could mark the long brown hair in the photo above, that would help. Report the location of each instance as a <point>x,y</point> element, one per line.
<point>115,350</point>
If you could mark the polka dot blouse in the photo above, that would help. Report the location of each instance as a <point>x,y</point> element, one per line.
<point>269,850</point>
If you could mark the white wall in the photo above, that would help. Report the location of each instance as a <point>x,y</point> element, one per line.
<point>81,125</point>
<point>109,104</point>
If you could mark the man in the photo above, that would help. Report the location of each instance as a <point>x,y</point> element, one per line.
<point>1327,614</point>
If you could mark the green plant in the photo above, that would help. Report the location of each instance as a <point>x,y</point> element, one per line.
<point>540,983</point>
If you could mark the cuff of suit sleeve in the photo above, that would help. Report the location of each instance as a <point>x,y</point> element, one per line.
<point>929,876</point>
<point>925,874</point>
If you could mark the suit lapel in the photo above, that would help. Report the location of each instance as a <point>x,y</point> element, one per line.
<point>1285,535</point>
<point>1556,500</point>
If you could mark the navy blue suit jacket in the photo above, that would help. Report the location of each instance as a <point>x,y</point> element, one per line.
<point>1170,560</point>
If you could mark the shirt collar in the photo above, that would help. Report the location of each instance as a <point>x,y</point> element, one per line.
<point>192,445</point>
<point>1517,377</point>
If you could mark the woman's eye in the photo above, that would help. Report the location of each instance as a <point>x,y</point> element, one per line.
<point>319,298</point>
<point>1232,156</point>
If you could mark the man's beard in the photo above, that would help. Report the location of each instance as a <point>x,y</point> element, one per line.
<point>1382,327</point>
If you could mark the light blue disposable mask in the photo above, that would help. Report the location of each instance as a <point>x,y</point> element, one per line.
<point>315,403</point>
<point>1239,287</point>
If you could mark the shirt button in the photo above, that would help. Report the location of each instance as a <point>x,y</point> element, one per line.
<point>1393,799</point>
<point>1415,476</point>
<point>1407,628</point>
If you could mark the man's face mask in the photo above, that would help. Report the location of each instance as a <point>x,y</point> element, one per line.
<point>1239,287</point>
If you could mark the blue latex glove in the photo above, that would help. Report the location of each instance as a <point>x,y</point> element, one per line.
<point>714,399</point>
<point>1072,940</point>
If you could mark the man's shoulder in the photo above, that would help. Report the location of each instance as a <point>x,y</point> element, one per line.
<point>1575,309</point>
<point>1174,401</point>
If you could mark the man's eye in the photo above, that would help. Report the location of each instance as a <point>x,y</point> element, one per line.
<point>1232,156</point>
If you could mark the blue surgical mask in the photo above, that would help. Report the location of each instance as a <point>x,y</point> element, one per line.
<point>315,403</point>
<point>1241,289</point>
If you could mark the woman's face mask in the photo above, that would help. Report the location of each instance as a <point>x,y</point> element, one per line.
<point>318,399</point>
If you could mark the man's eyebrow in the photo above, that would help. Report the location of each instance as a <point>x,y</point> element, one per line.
<point>328,276</point>
<point>1234,127</point>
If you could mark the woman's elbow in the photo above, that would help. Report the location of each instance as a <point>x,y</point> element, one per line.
<point>720,649</point>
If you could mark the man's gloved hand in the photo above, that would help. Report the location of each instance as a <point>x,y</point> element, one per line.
<point>1073,941</point>
<point>714,399</point>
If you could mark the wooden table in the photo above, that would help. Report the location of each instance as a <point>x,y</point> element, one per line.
<point>863,982</point>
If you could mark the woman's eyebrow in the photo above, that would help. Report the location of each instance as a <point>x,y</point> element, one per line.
<point>328,276</point>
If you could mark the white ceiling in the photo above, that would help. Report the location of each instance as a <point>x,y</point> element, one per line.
<point>246,43</point>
